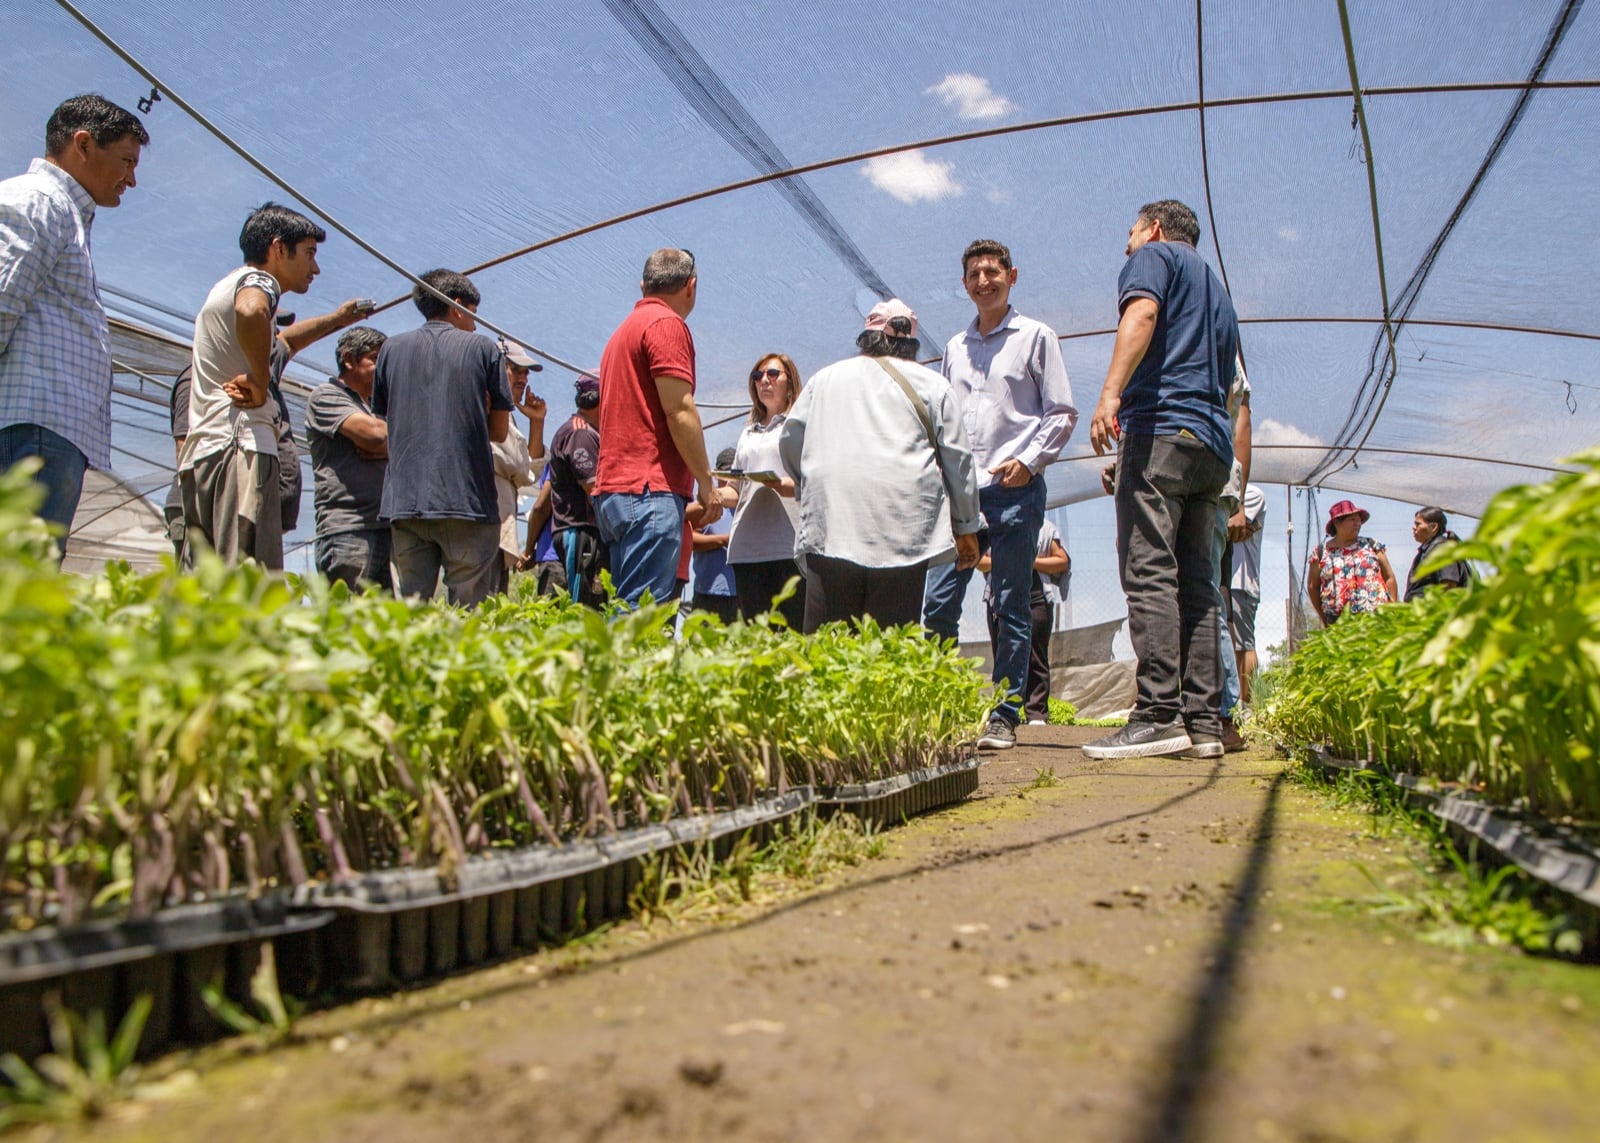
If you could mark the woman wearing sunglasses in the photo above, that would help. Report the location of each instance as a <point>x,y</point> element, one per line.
<point>761,547</point>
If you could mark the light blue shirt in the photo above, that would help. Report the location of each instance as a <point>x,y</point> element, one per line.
<point>55,343</point>
<point>1011,384</point>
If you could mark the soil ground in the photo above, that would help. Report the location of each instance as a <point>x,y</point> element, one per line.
<point>1148,950</point>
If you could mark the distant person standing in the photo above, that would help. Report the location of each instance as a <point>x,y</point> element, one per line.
<point>715,580</point>
<point>230,464</point>
<point>514,457</point>
<point>1009,380</point>
<point>1051,567</point>
<point>762,548</point>
<point>884,474</point>
<point>442,389</point>
<point>1349,574</point>
<point>1244,584</point>
<point>653,449</point>
<point>349,446</point>
<point>574,459</point>
<point>1430,528</point>
<point>55,342</point>
<point>1164,407</point>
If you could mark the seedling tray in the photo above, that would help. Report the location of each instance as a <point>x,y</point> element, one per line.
<point>1555,856</point>
<point>404,925</point>
<point>891,800</point>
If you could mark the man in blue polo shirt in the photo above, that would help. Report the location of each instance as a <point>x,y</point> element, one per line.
<point>1165,407</point>
<point>1010,383</point>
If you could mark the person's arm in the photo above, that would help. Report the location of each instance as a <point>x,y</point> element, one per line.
<point>1314,584</point>
<point>707,542</point>
<point>1054,562</point>
<point>1388,576</point>
<point>538,515</point>
<point>792,435</point>
<point>368,433</point>
<point>252,325</point>
<point>1058,416</point>
<point>303,333</point>
<point>960,473</point>
<point>1134,331</point>
<point>25,267</point>
<point>683,422</point>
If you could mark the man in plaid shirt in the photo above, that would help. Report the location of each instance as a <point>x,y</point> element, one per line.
<point>55,344</point>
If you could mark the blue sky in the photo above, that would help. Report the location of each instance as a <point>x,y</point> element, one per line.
<point>447,137</point>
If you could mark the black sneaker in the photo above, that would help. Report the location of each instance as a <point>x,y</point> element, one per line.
<point>998,735</point>
<point>1140,740</point>
<point>1203,745</point>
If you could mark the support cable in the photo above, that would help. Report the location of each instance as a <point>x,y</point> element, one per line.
<point>283,184</point>
<point>1180,107</point>
<point>1392,365</point>
<point>1412,290</point>
<point>1205,162</point>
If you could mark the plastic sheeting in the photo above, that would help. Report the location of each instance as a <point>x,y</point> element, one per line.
<point>450,137</point>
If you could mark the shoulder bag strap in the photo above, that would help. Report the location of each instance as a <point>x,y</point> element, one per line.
<point>916,402</point>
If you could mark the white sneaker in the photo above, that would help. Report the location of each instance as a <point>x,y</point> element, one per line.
<point>1037,722</point>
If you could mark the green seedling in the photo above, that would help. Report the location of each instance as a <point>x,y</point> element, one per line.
<point>273,1021</point>
<point>85,1074</point>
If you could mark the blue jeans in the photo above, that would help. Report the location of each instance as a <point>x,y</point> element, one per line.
<point>1230,665</point>
<point>643,532</point>
<point>1014,516</point>
<point>61,476</point>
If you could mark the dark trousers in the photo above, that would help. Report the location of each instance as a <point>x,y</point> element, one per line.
<point>838,589</point>
<point>757,583</point>
<point>724,607</point>
<point>357,558</point>
<point>1166,497</point>
<point>1036,692</point>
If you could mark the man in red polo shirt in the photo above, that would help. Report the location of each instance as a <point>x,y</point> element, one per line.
<point>652,446</point>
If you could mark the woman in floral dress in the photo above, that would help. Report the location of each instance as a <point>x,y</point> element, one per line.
<point>1349,572</point>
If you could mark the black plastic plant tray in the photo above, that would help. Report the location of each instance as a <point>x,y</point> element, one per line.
<point>170,957</point>
<point>406,925</point>
<point>1555,856</point>
<point>889,800</point>
<point>48,953</point>
<point>388,891</point>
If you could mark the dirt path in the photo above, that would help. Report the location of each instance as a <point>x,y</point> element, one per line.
<point>1147,951</point>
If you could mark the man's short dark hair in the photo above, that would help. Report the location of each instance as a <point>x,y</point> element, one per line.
<point>457,287</point>
<point>1177,221</point>
<point>985,246</point>
<point>877,343</point>
<point>104,120</point>
<point>667,271</point>
<point>271,220</point>
<point>354,344</point>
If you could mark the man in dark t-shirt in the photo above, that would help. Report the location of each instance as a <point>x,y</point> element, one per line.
<point>443,391</point>
<point>349,453</point>
<point>574,456</point>
<point>1164,407</point>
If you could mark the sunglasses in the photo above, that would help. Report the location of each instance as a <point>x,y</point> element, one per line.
<point>769,373</point>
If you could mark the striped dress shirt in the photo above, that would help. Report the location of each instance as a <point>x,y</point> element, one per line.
<point>55,344</point>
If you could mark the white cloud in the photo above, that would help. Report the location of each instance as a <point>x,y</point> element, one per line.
<point>1289,234</point>
<point>912,177</point>
<point>971,96</point>
<point>1270,432</point>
